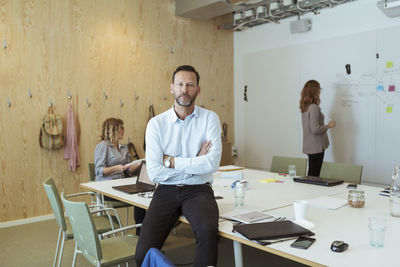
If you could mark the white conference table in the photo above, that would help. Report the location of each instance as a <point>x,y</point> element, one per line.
<point>260,197</point>
<point>346,224</point>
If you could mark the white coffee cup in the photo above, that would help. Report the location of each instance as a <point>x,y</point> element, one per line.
<point>300,209</point>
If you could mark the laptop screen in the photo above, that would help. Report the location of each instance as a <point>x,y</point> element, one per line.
<point>144,176</point>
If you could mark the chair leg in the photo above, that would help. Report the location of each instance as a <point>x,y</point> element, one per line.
<point>58,245</point>
<point>75,252</point>
<point>127,216</point>
<point>64,237</point>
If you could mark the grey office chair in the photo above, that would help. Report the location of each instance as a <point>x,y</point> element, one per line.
<point>281,164</point>
<point>350,173</point>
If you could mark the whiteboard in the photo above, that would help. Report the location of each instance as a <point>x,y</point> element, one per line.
<point>368,118</point>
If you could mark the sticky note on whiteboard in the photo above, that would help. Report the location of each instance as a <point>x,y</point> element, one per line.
<point>392,88</point>
<point>379,87</point>
<point>389,64</point>
<point>389,109</point>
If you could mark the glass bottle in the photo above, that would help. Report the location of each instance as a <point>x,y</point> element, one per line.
<point>395,193</point>
<point>239,194</point>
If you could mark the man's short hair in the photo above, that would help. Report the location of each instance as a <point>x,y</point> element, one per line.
<point>186,68</point>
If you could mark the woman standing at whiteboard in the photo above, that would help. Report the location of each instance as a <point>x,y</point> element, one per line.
<point>315,137</point>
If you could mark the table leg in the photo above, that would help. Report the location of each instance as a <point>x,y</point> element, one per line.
<point>237,251</point>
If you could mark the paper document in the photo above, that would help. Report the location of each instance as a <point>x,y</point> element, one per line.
<point>230,168</point>
<point>134,162</point>
<point>222,182</point>
<point>253,216</point>
<point>328,203</point>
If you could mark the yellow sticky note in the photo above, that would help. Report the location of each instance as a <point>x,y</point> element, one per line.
<point>389,109</point>
<point>389,64</point>
<point>268,181</point>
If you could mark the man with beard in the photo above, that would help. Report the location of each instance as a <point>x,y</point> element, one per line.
<point>183,149</point>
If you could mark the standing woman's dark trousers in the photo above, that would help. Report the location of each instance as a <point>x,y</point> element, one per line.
<point>315,163</point>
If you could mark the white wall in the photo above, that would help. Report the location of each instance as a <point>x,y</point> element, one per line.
<point>344,20</point>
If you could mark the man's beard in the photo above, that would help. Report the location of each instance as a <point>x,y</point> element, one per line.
<point>185,103</point>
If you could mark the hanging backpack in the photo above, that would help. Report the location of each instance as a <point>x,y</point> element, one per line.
<point>151,115</point>
<point>51,133</point>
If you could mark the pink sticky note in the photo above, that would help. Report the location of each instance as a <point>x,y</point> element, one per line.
<point>392,88</point>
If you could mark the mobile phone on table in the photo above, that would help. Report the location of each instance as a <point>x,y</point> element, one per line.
<point>303,242</point>
<point>352,186</point>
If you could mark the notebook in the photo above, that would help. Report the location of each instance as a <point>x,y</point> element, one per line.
<point>143,183</point>
<point>318,180</point>
<point>271,230</point>
<point>252,216</point>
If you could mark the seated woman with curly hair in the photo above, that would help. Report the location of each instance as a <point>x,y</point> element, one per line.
<point>111,157</point>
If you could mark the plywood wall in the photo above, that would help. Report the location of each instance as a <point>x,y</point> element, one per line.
<point>125,48</point>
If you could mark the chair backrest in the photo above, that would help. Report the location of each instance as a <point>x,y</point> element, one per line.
<point>92,174</point>
<point>281,164</point>
<point>55,202</point>
<point>84,230</point>
<point>155,258</point>
<point>350,173</point>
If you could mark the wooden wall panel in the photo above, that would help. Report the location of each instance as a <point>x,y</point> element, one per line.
<point>125,48</point>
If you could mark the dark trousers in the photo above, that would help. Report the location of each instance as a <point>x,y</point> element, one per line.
<point>197,204</point>
<point>315,163</point>
<point>138,214</point>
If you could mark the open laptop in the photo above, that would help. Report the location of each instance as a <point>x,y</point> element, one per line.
<point>318,180</point>
<point>143,183</point>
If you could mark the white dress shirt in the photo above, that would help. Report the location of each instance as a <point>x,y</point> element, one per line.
<point>166,134</point>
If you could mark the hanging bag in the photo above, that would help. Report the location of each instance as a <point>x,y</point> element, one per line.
<point>151,115</point>
<point>51,133</point>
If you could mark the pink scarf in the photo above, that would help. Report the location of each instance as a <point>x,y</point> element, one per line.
<point>71,151</point>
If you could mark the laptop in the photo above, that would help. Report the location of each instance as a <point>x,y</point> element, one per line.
<point>143,183</point>
<point>271,230</point>
<point>318,180</point>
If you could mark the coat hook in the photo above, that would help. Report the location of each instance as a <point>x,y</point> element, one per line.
<point>87,103</point>
<point>164,97</point>
<point>121,105</point>
<point>4,43</point>
<point>29,93</point>
<point>136,96</point>
<point>222,103</point>
<point>69,94</point>
<point>50,102</point>
<point>8,102</point>
<point>104,95</point>
<point>150,102</point>
<point>129,140</point>
<point>212,98</point>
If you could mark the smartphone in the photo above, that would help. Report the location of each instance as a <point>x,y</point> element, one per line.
<point>303,242</point>
<point>352,186</point>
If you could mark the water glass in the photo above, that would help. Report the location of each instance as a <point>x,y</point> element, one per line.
<point>292,171</point>
<point>239,194</point>
<point>377,227</point>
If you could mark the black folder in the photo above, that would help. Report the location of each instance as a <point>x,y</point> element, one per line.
<point>271,230</point>
<point>318,180</point>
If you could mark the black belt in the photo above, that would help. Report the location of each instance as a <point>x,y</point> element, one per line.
<point>183,185</point>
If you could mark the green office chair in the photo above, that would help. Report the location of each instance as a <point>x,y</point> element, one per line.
<point>350,173</point>
<point>281,164</point>
<point>102,222</point>
<point>105,252</point>
<point>116,204</point>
